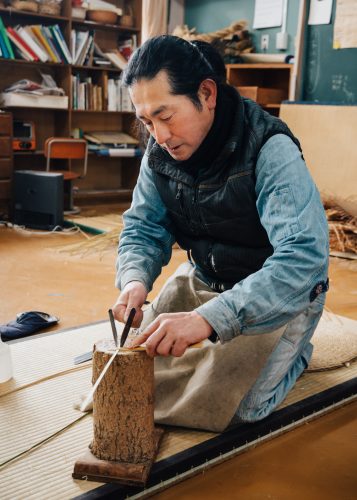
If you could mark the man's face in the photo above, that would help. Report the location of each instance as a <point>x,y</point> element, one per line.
<point>173,120</point>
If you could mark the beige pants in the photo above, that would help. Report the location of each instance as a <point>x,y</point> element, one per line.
<point>203,388</point>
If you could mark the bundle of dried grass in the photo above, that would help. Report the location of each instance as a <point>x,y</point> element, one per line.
<point>342,227</point>
<point>96,244</point>
<point>230,42</point>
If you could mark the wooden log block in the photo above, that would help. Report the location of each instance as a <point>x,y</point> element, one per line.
<point>123,406</point>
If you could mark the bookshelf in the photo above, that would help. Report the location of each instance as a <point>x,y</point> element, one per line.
<point>109,179</point>
<point>267,84</point>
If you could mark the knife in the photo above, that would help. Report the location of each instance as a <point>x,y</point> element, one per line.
<point>114,329</point>
<point>127,327</point>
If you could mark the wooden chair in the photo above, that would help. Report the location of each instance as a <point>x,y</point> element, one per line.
<point>66,148</point>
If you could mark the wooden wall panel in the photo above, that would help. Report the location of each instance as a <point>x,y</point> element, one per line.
<point>328,137</point>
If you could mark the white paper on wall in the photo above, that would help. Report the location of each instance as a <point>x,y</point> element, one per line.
<point>345,29</point>
<point>320,12</point>
<point>268,13</point>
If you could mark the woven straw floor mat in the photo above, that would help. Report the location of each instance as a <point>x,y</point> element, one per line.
<point>31,413</point>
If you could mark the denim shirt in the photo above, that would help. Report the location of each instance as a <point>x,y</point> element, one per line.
<point>292,214</point>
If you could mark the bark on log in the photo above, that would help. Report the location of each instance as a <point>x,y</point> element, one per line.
<point>123,405</point>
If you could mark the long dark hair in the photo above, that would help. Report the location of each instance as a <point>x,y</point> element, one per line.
<point>187,64</point>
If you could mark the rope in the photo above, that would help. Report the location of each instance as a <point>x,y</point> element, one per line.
<point>48,377</point>
<point>37,445</point>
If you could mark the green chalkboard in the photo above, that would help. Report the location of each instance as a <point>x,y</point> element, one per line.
<point>330,75</point>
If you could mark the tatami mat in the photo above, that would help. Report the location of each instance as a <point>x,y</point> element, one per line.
<point>47,355</point>
<point>33,414</point>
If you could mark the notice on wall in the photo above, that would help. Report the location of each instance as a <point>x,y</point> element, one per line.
<point>268,13</point>
<point>345,28</point>
<point>320,12</point>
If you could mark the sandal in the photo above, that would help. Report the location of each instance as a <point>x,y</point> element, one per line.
<point>27,323</point>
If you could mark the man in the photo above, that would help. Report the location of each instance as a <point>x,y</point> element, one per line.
<point>229,183</point>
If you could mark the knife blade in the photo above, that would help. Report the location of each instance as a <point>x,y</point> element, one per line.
<point>114,328</point>
<point>127,327</point>
<point>82,358</point>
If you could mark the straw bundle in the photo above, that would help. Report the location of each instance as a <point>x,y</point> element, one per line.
<point>230,42</point>
<point>342,228</point>
<point>97,244</point>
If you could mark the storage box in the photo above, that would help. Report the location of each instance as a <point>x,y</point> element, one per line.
<point>263,95</point>
<point>14,99</point>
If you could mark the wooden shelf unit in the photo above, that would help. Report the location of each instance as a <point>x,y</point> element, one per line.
<point>270,83</point>
<point>6,162</point>
<point>105,175</point>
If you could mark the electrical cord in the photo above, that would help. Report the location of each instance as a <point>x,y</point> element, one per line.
<point>56,230</point>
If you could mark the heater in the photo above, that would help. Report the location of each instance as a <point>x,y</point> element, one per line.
<point>38,199</point>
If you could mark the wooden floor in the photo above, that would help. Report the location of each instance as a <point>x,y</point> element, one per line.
<point>316,461</point>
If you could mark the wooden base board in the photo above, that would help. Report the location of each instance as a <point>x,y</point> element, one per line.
<point>91,468</point>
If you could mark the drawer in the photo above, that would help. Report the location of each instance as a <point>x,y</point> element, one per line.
<point>5,124</point>
<point>263,95</point>
<point>5,190</point>
<point>5,168</point>
<point>5,146</point>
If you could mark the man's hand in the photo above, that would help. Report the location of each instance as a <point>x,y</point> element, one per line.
<point>133,295</point>
<point>171,334</point>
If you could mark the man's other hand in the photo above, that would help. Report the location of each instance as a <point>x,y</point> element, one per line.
<point>133,295</point>
<point>171,334</point>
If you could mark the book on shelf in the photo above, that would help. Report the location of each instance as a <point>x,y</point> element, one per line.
<point>120,152</point>
<point>22,49</point>
<point>111,95</point>
<point>34,43</point>
<point>99,58</point>
<point>112,143</point>
<point>62,43</point>
<point>117,59</point>
<point>81,40</point>
<point>5,42</point>
<point>86,95</point>
<point>105,78</point>
<point>23,32</point>
<point>105,63</point>
<point>82,47</point>
<point>55,44</point>
<point>110,138</point>
<point>51,42</point>
<point>36,29</point>
<point>86,58</point>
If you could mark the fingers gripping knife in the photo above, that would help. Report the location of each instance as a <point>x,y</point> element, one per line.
<point>87,356</point>
<point>127,327</point>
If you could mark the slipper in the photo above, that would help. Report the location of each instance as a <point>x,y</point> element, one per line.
<point>27,323</point>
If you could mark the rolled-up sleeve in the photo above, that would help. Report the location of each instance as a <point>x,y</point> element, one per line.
<point>146,241</point>
<point>292,214</point>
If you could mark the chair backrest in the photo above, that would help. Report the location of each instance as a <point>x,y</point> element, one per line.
<point>66,148</point>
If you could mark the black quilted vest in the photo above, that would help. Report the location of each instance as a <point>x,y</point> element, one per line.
<point>215,216</point>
